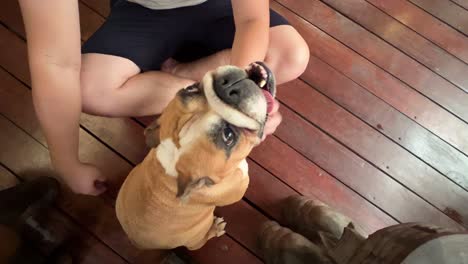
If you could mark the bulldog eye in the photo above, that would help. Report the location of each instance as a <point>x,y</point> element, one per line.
<point>228,136</point>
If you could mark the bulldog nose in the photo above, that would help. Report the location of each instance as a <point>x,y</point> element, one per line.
<point>226,89</point>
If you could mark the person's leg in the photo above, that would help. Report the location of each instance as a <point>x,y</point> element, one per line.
<point>288,53</point>
<point>133,39</point>
<point>114,86</point>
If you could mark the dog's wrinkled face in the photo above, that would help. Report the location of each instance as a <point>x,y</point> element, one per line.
<point>209,128</point>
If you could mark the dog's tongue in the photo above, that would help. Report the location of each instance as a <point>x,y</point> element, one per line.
<point>269,99</point>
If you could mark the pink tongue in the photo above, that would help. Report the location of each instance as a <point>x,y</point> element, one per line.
<point>269,99</point>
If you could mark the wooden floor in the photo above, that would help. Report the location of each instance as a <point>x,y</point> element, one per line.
<point>376,127</point>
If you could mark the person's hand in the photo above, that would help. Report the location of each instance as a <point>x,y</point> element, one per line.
<point>274,119</point>
<point>84,178</point>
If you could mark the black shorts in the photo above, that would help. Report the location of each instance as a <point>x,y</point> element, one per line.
<point>149,37</point>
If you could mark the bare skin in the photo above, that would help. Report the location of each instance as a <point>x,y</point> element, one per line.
<point>63,79</point>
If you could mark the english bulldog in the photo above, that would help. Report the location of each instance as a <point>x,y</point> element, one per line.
<point>205,134</point>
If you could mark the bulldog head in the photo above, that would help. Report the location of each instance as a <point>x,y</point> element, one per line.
<point>209,128</point>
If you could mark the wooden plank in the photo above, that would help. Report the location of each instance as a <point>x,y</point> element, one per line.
<point>446,11</point>
<point>7,179</point>
<point>20,159</point>
<point>304,176</point>
<point>380,83</point>
<point>388,157</point>
<point>408,41</point>
<point>102,7</point>
<point>358,174</point>
<point>12,51</point>
<point>10,14</point>
<point>376,113</point>
<point>461,3</point>
<point>444,36</point>
<point>381,53</point>
<point>89,21</point>
<point>244,221</point>
<point>218,251</point>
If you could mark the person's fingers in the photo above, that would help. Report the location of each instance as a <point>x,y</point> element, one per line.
<point>274,121</point>
<point>270,127</point>
<point>276,106</point>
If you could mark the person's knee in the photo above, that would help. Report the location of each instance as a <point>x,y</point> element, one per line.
<point>295,60</point>
<point>288,54</point>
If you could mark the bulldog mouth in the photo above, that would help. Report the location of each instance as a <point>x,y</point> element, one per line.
<point>263,77</point>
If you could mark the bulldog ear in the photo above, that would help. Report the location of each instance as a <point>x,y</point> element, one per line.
<point>185,185</point>
<point>152,134</point>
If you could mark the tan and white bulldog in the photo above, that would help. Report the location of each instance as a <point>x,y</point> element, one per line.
<point>205,135</point>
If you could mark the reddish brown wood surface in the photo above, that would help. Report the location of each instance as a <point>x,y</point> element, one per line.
<point>376,113</point>
<point>102,7</point>
<point>10,14</point>
<point>7,179</point>
<point>382,84</point>
<point>394,161</point>
<point>405,39</point>
<point>379,114</point>
<point>379,52</point>
<point>308,179</point>
<point>356,173</point>
<point>461,3</point>
<point>446,11</point>
<point>426,25</point>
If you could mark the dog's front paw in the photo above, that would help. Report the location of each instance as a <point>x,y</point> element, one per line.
<point>218,226</point>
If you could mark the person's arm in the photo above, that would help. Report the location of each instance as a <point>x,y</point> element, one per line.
<point>53,38</point>
<point>252,21</point>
